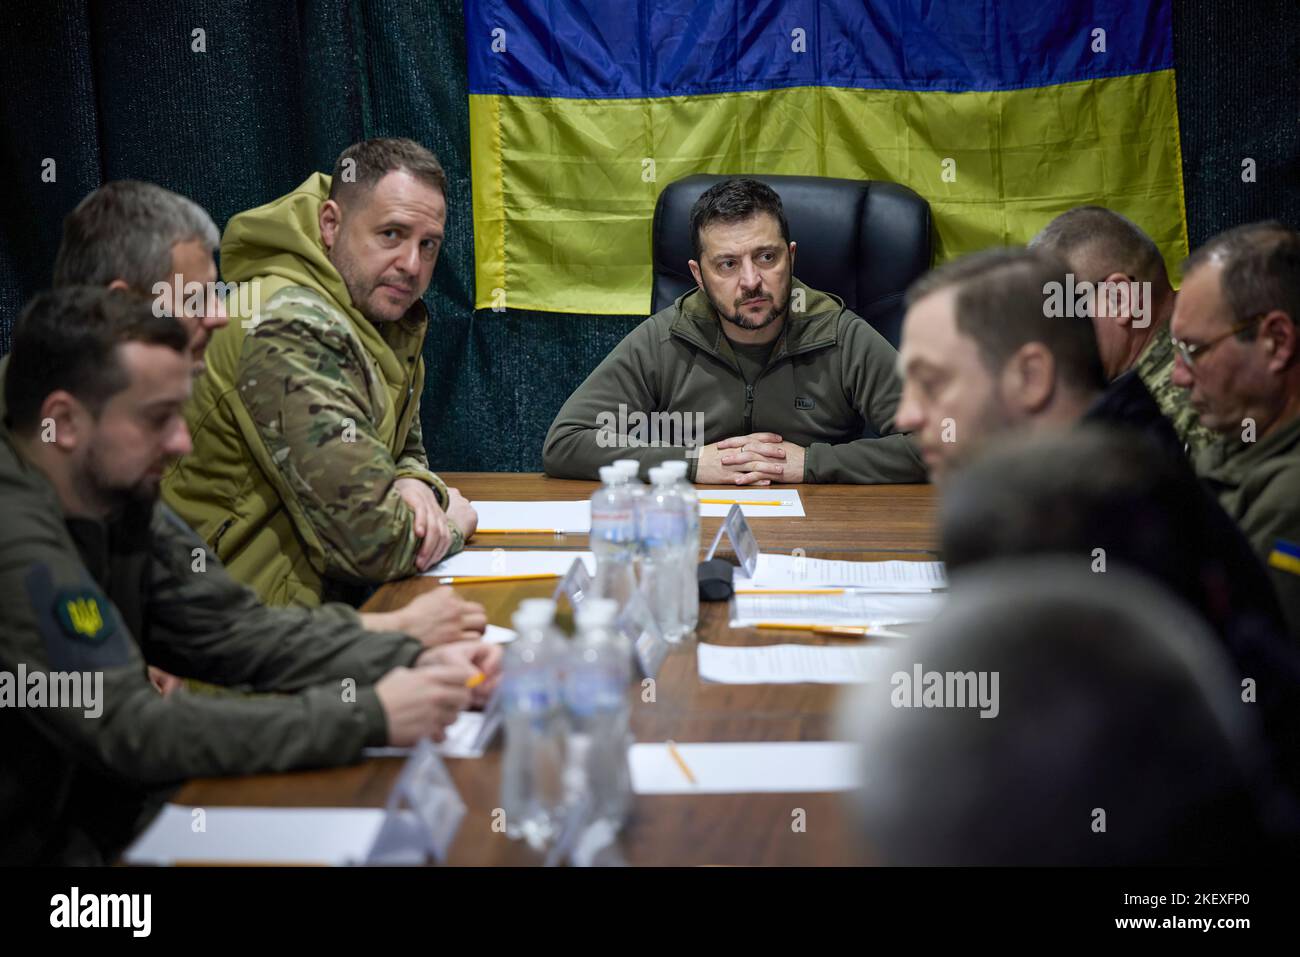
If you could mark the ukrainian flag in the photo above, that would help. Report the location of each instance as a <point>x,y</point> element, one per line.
<point>1285,556</point>
<point>1000,113</point>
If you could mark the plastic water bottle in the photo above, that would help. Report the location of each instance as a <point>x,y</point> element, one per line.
<point>631,469</point>
<point>596,698</point>
<point>613,536</point>
<point>661,523</point>
<point>532,794</point>
<point>690,575</point>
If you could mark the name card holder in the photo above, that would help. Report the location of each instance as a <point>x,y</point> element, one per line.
<point>736,527</point>
<point>423,813</point>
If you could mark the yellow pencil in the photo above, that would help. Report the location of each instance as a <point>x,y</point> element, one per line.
<point>520,531</point>
<point>789,591</point>
<point>672,749</point>
<point>736,501</point>
<point>476,579</point>
<point>852,631</point>
<point>477,680</point>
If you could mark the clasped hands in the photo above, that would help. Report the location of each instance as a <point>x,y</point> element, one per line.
<point>759,458</point>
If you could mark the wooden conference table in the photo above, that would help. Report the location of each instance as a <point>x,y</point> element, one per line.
<point>853,522</point>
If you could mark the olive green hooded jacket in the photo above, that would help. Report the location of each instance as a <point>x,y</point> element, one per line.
<point>304,418</point>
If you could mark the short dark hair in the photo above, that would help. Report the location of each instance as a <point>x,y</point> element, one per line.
<point>1107,241</point>
<point>67,339</point>
<point>362,165</point>
<point>126,230</point>
<point>1000,296</point>
<point>1261,270</point>
<point>733,201</point>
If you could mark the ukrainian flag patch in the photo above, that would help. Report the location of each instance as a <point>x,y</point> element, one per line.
<point>1285,556</point>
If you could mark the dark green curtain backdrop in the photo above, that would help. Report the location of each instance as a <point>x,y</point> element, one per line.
<point>111,89</point>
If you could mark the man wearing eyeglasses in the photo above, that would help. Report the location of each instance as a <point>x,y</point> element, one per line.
<point>1234,332</point>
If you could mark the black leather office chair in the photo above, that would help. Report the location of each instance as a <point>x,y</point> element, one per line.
<point>863,240</point>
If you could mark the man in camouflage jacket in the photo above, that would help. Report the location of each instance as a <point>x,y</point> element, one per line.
<point>309,475</point>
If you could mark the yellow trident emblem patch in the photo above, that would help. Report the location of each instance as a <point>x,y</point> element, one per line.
<point>85,617</point>
<point>82,615</point>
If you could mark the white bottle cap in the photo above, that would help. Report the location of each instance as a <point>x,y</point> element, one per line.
<point>675,467</point>
<point>596,613</point>
<point>533,613</point>
<point>658,476</point>
<point>629,467</point>
<point>610,474</point>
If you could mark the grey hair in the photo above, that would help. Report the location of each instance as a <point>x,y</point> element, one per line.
<point>1261,270</point>
<point>1100,239</point>
<point>126,230</point>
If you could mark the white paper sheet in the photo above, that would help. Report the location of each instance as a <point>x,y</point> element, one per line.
<point>789,571</point>
<point>571,518</point>
<point>780,767</point>
<point>508,562</point>
<point>790,664</point>
<point>459,742</point>
<point>258,835</point>
<point>872,609</point>
<point>791,507</point>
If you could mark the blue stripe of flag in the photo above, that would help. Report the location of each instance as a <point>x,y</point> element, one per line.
<point>1286,548</point>
<point>653,48</point>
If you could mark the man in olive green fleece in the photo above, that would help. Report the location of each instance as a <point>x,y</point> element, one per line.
<point>96,576</point>
<point>753,378</point>
<point>1234,329</point>
<point>309,476</point>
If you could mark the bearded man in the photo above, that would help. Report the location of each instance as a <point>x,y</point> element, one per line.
<point>753,378</point>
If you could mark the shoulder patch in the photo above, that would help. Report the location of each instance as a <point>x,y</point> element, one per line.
<point>79,625</point>
<point>1285,556</point>
<point>82,614</point>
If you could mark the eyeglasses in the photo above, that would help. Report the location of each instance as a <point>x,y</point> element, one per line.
<point>1190,350</point>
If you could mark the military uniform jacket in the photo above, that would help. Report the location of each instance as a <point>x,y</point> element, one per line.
<point>1258,484</point>
<point>85,598</point>
<point>1155,367</point>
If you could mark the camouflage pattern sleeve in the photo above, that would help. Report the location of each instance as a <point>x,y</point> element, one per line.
<point>414,463</point>
<point>313,403</point>
<point>1155,368</point>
